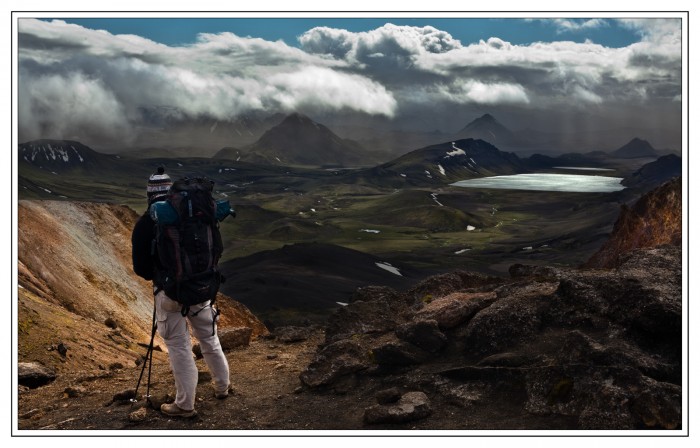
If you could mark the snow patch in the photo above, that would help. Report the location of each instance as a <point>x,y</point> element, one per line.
<point>369,230</point>
<point>459,252</point>
<point>470,228</point>
<point>442,170</point>
<point>211,129</point>
<point>527,248</point>
<point>388,267</point>
<point>313,210</point>
<point>278,159</point>
<point>456,152</point>
<point>434,196</point>
<point>179,164</point>
<point>402,174</point>
<point>342,303</point>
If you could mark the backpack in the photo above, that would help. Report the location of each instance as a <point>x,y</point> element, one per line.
<point>188,242</point>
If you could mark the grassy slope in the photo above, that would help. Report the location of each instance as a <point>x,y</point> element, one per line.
<point>280,205</point>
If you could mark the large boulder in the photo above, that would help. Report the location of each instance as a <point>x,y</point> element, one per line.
<point>455,308</point>
<point>33,375</point>
<point>422,333</point>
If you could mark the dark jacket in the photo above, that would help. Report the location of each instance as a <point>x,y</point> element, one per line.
<point>142,253</point>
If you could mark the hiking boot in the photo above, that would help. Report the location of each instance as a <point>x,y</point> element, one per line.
<point>173,410</point>
<point>222,395</point>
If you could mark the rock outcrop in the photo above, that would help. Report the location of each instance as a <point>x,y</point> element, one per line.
<point>601,348</point>
<point>653,220</point>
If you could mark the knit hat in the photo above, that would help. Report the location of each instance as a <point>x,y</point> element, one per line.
<point>158,185</point>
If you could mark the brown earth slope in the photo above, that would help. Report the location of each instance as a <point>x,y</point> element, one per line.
<point>76,288</point>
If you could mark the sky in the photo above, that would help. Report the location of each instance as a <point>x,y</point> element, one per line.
<point>97,79</point>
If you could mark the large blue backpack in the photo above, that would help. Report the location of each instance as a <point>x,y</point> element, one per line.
<point>188,242</point>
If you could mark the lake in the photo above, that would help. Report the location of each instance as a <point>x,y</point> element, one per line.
<point>547,182</point>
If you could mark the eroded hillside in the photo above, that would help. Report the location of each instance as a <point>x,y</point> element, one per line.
<point>77,289</point>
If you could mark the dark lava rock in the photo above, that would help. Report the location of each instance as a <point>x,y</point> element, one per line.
<point>456,308</point>
<point>74,391</point>
<point>111,323</point>
<point>571,348</point>
<point>388,396</point>
<point>62,349</point>
<point>393,352</point>
<point>34,375</point>
<point>124,397</point>
<point>412,406</point>
<point>424,334</point>
<point>292,334</point>
<point>374,310</point>
<point>504,323</point>
<point>335,361</point>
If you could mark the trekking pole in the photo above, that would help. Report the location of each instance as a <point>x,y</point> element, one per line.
<point>148,360</point>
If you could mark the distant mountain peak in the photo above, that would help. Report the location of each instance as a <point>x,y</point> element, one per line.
<point>298,117</point>
<point>299,140</point>
<point>636,147</point>
<point>487,128</point>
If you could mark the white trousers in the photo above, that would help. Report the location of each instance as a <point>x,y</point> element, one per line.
<point>172,327</point>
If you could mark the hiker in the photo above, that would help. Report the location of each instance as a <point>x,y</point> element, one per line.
<point>172,317</point>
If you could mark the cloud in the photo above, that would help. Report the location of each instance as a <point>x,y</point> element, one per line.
<point>108,80</point>
<point>572,25</point>
<point>392,71</point>
<point>655,30</point>
<point>484,93</point>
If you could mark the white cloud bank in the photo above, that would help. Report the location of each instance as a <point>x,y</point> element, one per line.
<point>77,80</point>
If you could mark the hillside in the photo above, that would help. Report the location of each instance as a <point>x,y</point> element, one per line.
<point>76,287</point>
<point>444,163</point>
<point>307,281</point>
<point>654,173</point>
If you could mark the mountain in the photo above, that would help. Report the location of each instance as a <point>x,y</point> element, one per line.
<point>298,140</point>
<point>489,129</point>
<point>307,281</point>
<point>445,163</point>
<point>63,155</point>
<point>655,173</point>
<point>635,148</point>
<point>655,219</point>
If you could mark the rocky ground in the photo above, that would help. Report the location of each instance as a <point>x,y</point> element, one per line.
<point>268,395</point>
<point>545,349</point>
